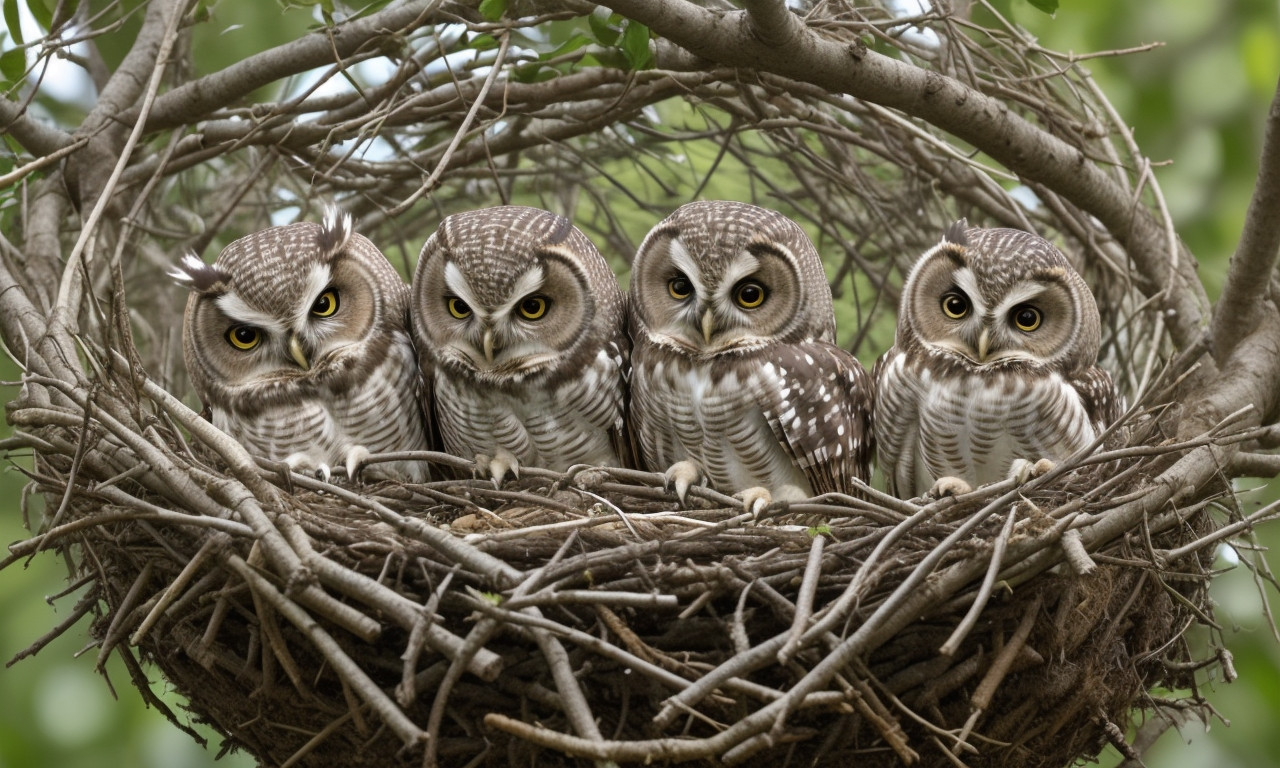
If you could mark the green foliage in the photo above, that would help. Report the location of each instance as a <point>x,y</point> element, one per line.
<point>493,9</point>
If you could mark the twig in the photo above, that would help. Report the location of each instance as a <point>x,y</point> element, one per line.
<point>952,644</point>
<point>804,601</point>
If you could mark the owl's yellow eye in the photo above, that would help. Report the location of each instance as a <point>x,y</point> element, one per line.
<point>458,308</point>
<point>679,287</point>
<point>955,305</point>
<point>749,294</point>
<point>244,337</point>
<point>534,307</point>
<point>1026,317</point>
<point>326,305</point>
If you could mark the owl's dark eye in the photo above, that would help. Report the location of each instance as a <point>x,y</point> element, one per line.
<point>244,337</point>
<point>458,308</point>
<point>534,307</point>
<point>749,294</point>
<point>679,287</point>
<point>955,305</point>
<point>326,305</point>
<point>1026,318</point>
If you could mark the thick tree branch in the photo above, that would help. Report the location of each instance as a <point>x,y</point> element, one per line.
<point>985,122</point>
<point>195,100</point>
<point>1249,274</point>
<point>34,136</point>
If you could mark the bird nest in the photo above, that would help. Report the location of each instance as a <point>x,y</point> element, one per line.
<point>589,616</point>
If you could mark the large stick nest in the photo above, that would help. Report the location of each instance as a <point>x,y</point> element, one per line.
<point>588,616</point>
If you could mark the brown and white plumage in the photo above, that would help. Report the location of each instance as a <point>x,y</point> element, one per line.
<point>994,362</point>
<point>296,338</point>
<point>735,371</point>
<point>520,328</point>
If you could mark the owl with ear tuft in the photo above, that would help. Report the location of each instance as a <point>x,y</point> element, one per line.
<point>296,338</point>
<point>736,377</point>
<point>993,369</point>
<point>520,329</point>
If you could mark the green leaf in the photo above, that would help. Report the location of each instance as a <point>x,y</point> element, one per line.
<point>1048,6</point>
<point>11,20</point>
<point>568,46</point>
<point>819,530</point>
<point>41,13</point>
<point>493,9</point>
<point>635,45</point>
<point>482,43</point>
<point>534,73</point>
<point>13,64</point>
<point>492,597</point>
<point>604,26</point>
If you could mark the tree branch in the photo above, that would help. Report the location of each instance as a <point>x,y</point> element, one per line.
<point>1249,274</point>
<point>35,137</point>
<point>196,99</point>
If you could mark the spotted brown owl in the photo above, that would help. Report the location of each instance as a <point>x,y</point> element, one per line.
<point>520,328</point>
<point>297,340</point>
<point>993,366</point>
<point>736,376</point>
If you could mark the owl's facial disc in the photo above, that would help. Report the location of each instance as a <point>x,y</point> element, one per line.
<point>985,324</point>
<point>712,306</point>
<point>526,329</point>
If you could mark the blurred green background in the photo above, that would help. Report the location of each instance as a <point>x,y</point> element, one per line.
<point>1196,103</point>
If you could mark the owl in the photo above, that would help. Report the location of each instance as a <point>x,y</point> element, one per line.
<point>736,378</point>
<point>520,327</point>
<point>993,366</point>
<point>296,338</point>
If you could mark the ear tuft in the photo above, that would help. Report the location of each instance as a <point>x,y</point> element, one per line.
<point>957,233</point>
<point>335,231</point>
<point>193,273</point>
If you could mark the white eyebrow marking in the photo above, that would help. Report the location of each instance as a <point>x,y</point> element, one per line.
<point>456,281</point>
<point>683,261</point>
<point>235,308</point>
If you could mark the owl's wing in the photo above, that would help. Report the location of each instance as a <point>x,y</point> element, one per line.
<point>896,423</point>
<point>822,414</point>
<point>601,397</point>
<point>1101,400</point>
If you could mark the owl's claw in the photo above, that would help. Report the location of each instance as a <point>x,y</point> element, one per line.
<point>949,485</point>
<point>1023,470</point>
<point>681,475</point>
<point>356,457</point>
<point>498,465</point>
<point>754,500</point>
<point>302,463</point>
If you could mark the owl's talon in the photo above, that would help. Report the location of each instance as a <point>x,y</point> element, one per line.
<point>498,465</point>
<point>356,457</point>
<point>1022,470</point>
<point>949,485</point>
<point>754,500</point>
<point>681,476</point>
<point>323,472</point>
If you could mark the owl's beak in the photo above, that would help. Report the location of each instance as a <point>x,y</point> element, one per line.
<point>488,345</point>
<point>708,326</point>
<point>984,342</point>
<point>295,351</point>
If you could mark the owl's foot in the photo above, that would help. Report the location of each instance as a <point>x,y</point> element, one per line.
<point>356,457</point>
<point>948,485</point>
<point>302,463</point>
<point>498,465</point>
<point>1023,470</point>
<point>681,475</point>
<point>754,500</point>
